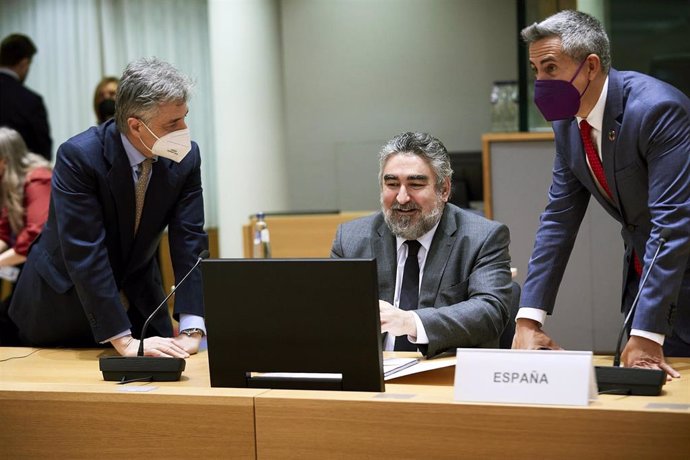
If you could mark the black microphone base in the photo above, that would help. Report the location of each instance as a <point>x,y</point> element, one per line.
<point>128,368</point>
<point>630,381</point>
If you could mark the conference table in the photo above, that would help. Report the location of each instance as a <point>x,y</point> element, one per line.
<point>55,404</point>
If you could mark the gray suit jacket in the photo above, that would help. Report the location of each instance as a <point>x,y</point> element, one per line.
<point>466,284</point>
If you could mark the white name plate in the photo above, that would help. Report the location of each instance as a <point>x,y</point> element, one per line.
<point>525,376</point>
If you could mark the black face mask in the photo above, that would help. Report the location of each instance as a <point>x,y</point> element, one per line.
<point>106,110</point>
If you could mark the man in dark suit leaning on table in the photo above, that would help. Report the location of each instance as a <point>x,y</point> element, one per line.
<point>92,275</point>
<point>624,139</point>
<point>455,292</point>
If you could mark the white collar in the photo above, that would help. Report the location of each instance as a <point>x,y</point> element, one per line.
<point>424,240</point>
<point>10,72</point>
<point>596,115</point>
<point>134,155</point>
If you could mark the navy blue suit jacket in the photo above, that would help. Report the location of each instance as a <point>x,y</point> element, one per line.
<point>68,292</point>
<point>646,159</point>
<point>23,110</point>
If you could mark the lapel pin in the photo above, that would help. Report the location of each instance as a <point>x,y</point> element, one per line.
<point>612,135</point>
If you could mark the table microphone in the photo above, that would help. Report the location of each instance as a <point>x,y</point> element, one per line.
<point>632,381</point>
<point>147,368</point>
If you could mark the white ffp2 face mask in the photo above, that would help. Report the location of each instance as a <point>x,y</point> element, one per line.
<point>173,146</point>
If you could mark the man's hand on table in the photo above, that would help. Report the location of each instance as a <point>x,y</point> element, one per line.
<point>530,336</point>
<point>647,354</point>
<point>153,346</point>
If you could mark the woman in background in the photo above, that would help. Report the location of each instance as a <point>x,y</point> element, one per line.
<point>104,99</point>
<point>24,200</point>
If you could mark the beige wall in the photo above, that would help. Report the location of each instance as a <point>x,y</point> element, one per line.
<point>357,72</point>
<point>307,91</point>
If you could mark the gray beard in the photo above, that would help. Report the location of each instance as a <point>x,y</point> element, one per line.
<point>404,227</point>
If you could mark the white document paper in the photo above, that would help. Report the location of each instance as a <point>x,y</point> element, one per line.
<point>392,366</point>
<point>525,376</point>
<point>422,365</point>
<point>9,273</point>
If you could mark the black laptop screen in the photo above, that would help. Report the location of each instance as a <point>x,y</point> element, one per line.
<point>269,316</point>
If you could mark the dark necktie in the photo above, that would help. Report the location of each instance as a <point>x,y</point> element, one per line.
<point>600,177</point>
<point>409,291</point>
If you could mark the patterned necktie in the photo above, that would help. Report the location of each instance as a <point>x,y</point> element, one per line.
<point>598,170</point>
<point>140,189</point>
<point>593,156</point>
<point>409,291</point>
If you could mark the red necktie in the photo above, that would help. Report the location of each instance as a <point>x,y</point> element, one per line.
<point>598,170</point>
<point>593,156</point>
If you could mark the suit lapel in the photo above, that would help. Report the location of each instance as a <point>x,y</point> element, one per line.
<point>121,184</point>
<point>580,157</point>
<point>163,179</point>
<point>384,250</point>
<point>580,164</point>
<point>610,128</point>
<point>437,259</point>
<point>156,205</point>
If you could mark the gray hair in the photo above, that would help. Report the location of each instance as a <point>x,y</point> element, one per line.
<point>580,34</point>
<point>145,84</point>
<point>423,145</point>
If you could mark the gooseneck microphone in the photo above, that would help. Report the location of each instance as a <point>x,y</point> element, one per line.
<point>633,381</point>
<point>147,368</point>
<point>662,240</point>
<point>202,255</point>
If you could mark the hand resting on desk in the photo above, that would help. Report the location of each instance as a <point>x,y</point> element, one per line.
<point>638,352</point>
<point>530,336</point>
<point>641,352</point>
<point>153,346</point>
<point>188,343</point>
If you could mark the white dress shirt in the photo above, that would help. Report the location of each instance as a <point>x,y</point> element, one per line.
<point>425,241</point>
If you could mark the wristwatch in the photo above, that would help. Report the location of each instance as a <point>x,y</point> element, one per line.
<point>191,331</point>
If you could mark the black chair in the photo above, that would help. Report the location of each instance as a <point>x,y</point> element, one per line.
<point>506,339</point>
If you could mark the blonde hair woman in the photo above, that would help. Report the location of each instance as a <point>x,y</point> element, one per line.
<point>24,197</point>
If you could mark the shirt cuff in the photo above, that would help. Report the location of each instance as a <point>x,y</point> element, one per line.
<point>658,338</point>
<point>188,321</point>
<point>422,338</point>
<point>535,314</point>
<point>121,334</point>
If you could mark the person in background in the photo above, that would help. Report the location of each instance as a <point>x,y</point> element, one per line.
<point>24,197</point>
<point>444,273</point>
<point>624,139</point>
<point>104,99</point>
<point>20,108</point>
<point>92,277</point>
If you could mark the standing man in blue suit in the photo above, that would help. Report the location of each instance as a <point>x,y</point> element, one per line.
<point>443,272</point>
<point>20,108</point>
<point>623,138</point>
<point>92,276</point>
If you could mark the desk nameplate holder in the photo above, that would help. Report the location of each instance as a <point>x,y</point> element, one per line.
<point>525,376</point>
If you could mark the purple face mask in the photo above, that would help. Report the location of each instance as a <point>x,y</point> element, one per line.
<point>558,99</point>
